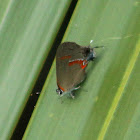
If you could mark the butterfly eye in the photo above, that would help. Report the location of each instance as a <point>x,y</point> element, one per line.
<point>86,52</point>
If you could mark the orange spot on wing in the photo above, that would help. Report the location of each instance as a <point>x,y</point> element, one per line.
<point>81,62</point>
<point>65,57</point>
<point>60,87</point>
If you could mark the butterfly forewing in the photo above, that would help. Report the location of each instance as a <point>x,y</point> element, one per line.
<point>68,76</point>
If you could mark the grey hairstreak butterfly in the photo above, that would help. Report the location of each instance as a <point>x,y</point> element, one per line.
<point>71,61</point>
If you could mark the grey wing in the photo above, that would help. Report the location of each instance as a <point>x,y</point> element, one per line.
<point>71,49</point>
<point>70,77</point>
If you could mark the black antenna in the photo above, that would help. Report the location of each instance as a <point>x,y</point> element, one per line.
<point>98,47</point>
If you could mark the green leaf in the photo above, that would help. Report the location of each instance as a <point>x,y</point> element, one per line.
<point>27,31</point>
<point>107,105</point>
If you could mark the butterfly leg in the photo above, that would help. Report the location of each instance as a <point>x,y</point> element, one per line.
<point>72,95</point>
<point>77,88</point>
